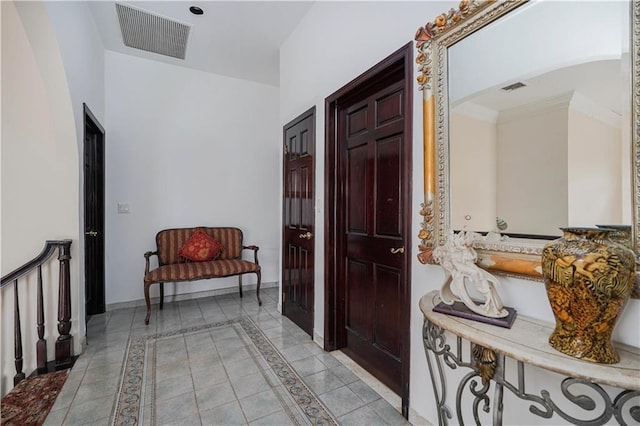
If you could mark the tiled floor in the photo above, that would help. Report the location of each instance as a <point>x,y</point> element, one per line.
<point>212,396</point>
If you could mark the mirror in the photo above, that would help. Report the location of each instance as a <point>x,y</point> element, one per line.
<point>508,120</point>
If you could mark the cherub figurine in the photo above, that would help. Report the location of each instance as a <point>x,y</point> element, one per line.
<point>458,258</point>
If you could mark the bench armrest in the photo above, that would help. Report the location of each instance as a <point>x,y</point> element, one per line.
<point>255,252</point>
<point>147,255</point>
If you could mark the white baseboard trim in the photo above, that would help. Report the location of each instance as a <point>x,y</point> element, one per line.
<point>318,339</point>
<point>81,345</point>
<point>188,296</point>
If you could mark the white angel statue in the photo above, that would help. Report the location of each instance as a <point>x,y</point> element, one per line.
<point>458,258</point>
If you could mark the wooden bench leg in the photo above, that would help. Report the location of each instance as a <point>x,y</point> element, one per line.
<point>148,301</point>
<point>240,284</point>
<point>259,274</point>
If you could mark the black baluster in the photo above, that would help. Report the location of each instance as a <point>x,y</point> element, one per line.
<point>17,334</point>
<point>64,343</point>
<point>41,345</point>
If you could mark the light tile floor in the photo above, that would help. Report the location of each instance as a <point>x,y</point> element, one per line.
<point>215,396</point>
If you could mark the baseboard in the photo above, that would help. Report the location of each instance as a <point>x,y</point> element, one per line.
<point>83,343</point>
<point>188,296</point>
<point>417,420</point>
<point>318,339</point>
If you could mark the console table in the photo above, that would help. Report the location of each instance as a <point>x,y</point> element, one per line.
<point>526,343</point>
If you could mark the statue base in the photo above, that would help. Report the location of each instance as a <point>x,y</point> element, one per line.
<point>459,309</point>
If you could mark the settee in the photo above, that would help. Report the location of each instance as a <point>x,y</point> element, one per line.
<point>189,254</point>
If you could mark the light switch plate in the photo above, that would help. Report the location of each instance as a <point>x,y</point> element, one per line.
<point>123,208</point>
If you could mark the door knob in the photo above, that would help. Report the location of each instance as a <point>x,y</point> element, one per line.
<point>91,233</point>
<point>306,236</point>
<point>397,250</point>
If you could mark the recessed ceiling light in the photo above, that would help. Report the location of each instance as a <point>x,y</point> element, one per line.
<point>196,10</point>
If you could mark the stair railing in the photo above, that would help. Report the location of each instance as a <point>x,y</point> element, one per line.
<point>64,343</point>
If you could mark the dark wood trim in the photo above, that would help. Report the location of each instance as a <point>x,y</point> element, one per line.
<point>311,111</point>
<point>94,121</point>
<point>334,317</point>
<point>49,247</point>
<point>330,332</point>
<point>408,209</point>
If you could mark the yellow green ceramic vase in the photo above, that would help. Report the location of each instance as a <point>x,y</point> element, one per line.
<point>589,279</point>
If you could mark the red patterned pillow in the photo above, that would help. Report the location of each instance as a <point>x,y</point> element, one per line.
<point>200,247</point>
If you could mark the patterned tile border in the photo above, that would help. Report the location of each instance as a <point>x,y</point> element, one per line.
<point>129,400</point>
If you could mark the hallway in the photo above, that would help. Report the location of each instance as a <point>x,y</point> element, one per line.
<point>214,382</point>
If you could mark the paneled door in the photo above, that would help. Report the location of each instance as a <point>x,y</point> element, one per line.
<point>93,215</point>
<point>369,221</point>
<point>298,221</point>
<point>372,140</point>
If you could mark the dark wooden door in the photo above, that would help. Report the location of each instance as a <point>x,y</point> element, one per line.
<point>93,214</point>
<point>369,225</point>
<point>298,221</point>
<point>372,149</point>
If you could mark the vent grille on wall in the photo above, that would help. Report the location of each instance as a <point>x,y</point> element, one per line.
<point>146,31</point>
<point>514,86</point>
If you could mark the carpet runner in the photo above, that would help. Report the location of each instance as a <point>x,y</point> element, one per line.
<point>31,400</point>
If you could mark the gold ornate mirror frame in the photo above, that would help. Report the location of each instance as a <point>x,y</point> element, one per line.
<point>520,259</point>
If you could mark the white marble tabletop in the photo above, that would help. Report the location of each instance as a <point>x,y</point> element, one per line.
<point>527,341</point>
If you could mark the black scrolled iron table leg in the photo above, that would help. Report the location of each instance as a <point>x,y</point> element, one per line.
<point>434,347</point>
<point>488,366</point>
<point>619,404</point>
<point>498,393</point>
<point>611,408</point>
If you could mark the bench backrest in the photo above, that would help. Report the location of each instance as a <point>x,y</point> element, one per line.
<point>169,242</point>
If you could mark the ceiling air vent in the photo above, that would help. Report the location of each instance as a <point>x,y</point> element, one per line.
<point>513,86</point>
<point>146,31</point>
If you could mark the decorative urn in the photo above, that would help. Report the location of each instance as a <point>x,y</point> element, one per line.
<point>588,278</point>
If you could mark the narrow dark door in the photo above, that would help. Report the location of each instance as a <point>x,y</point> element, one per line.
<point>369,228</point>
<point>298,221</point>
<point>93,214</point>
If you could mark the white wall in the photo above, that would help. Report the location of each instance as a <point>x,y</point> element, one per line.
<point>473,153</point>
<point>334,43</point>
<point>532,171</point>
<point>594,175</point>
<point>83,58</point>
<point>39,169</point>
<point>186,148</point>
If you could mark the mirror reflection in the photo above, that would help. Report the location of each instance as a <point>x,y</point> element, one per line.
<point>540,124</point>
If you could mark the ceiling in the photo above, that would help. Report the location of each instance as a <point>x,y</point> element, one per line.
<point>601,81</point>
<point>238,38</point>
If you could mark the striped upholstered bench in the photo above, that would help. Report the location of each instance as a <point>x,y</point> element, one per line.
<point>183,255</point>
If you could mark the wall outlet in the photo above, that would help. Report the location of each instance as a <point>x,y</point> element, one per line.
<point>123,208</point>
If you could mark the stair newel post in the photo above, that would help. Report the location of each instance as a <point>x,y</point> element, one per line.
<point>64,343</point>
<point>41,345</point>
<point>17,336</point>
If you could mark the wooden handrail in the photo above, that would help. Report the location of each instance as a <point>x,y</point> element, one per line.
<point>49,247</point>
<point>64,343</point>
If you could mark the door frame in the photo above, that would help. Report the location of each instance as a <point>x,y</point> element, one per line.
<point>311,112</point>
<point>90,121</point>
<point>334,314</point>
